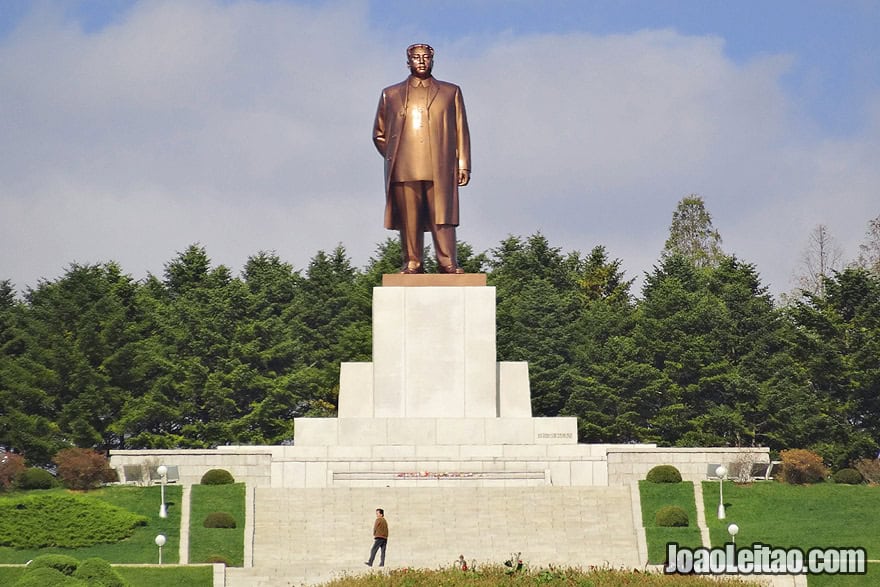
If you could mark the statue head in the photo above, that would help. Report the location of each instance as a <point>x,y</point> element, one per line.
<point>420,59</point>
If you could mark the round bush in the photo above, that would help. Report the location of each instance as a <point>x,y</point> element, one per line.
<point>219,520</point>
<point>671,516</point>
<point>97,571</point>
<point>41,577</point>
<point>848,477</point>
<point>664,474</point>
<point>34,478</point>
<point>62,563</point>
<point>217,477</point>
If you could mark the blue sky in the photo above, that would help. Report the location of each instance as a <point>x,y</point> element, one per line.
<point>132,129</point>
<point>835,45</point>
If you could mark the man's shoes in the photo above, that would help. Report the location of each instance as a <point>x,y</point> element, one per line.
<point>452,270</point>
<point>409,271</point>
<point>368,564</point>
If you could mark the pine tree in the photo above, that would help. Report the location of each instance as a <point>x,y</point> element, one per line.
<point>692,235</point>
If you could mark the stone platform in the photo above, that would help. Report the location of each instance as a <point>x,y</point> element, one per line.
<point>435,409</point>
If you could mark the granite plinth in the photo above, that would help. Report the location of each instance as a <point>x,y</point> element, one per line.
<point>434,431</point>
<point>434,280</point>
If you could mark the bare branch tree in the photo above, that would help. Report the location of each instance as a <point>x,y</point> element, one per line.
<point>869,250</point>
<point>821,257</point>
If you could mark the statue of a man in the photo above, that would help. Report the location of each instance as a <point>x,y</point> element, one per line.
<point>421,131</point>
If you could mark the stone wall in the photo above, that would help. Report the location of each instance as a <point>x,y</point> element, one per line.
<point>507,465</point>
<point>627,464</point>
<point>251,465</point>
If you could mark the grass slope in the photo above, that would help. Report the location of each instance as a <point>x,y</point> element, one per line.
<point>140,576</point>
<point>139,548</point>
<point>657,495</point>
<point>803,516</point>
<point>207,544</point>
<point>200,576</point>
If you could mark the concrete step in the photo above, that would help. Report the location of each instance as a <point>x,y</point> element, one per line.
<point>304,536</point>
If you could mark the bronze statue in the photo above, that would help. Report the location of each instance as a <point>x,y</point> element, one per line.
<point>421,131</point>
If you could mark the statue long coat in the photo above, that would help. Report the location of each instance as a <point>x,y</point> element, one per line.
<point>450,145</point>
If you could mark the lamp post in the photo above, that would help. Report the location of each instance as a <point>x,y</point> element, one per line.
<point>163,472</point>
<point>732,530</point>
<point>160,542</point>
<point>721,471</point>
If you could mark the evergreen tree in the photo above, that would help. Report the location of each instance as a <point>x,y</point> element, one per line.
<point>602,355</point>
<point>537,309</point>
<point>838,343</point>
<point>692,235</point>
<point>331,319</point>
<point>76,330</point>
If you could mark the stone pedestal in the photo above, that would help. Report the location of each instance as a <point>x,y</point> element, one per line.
<point>434,380</point>
<point>434,352</point>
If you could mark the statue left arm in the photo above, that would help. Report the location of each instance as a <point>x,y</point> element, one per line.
<point>380,139</point>
<point>464,140</point>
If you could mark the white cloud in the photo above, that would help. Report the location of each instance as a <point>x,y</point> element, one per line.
<point>245,127</point>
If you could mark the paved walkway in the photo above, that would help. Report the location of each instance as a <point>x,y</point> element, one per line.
<point>184,525</point>
<point>307,536</point>
<point>701,514</point>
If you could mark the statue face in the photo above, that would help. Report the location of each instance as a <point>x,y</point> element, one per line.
<point>420,62</point>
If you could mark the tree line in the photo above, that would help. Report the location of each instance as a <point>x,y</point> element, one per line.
<point>198,357</point>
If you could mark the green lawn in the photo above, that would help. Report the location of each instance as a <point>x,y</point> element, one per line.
<point>803,516</point>
<point>210,544</point>
<point>140,547</point>
<point>201,576</point>
<point>9,575</point>
<point>657,495</point>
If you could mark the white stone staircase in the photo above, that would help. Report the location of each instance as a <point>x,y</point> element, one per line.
<point>307,536</point>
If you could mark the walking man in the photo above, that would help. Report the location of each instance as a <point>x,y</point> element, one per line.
<point>380,538</point>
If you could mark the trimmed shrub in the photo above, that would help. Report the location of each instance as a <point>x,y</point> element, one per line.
<point>848,477</point>
<point>663,474</point>
<point>45,577</point>
<point>217,477</point>
<point>11,466</point>
<point>219,520</point>
<point>98,572</point>
<point>46,520</point>
<point>671,516</point>
<point>82,468</point>
<point>60,562</point>
<point>870,469</point>
<point>111,475</point>
<point>35,478</point>
<point>800,466</point>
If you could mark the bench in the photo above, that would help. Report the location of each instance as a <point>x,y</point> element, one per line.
<point>133,474</point>
<point>710,471</point>
<point>764,471</point>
